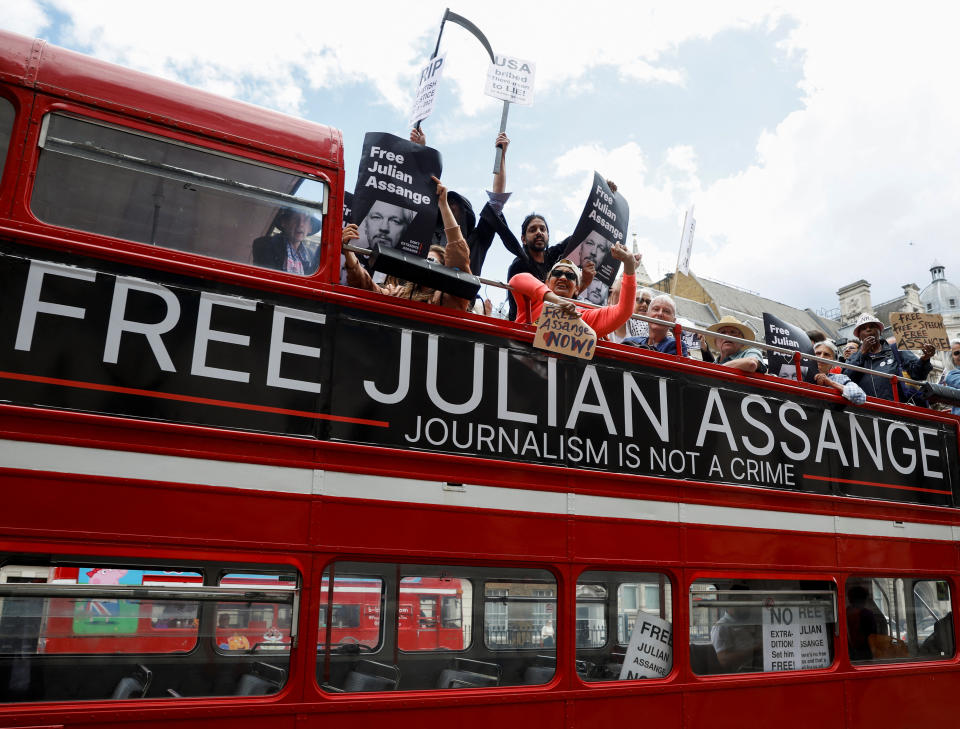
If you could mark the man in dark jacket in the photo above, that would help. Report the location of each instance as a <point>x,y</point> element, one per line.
<point>288,250</point>
<point>879,355</point>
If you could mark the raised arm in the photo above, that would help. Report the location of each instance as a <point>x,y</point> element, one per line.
<point>500,179</point>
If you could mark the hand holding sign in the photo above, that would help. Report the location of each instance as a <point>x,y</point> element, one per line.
<point>919,331</point>
<point>561,330</point>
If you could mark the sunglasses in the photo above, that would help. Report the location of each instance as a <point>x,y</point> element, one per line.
<point>955,352</point>
<point>569,275</point>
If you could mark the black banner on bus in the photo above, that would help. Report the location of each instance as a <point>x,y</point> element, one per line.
<point>102,337</point>
<point>443,391</point>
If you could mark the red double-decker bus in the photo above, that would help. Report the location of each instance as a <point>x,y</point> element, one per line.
<point>238,496</point>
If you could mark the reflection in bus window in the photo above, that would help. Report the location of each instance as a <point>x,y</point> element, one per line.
<point>895,619</point>
<point>6,129</point>
<point>743,626</point>
<point>130,185</point>
<point>519,615</point>
<point>421,628</point>
<point>150,632</point>
<point>354,605</point>
<point>641,607</point>
<point>257,627</point>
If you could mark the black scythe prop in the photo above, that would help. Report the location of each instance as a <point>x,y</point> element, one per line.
<point>478,34</point>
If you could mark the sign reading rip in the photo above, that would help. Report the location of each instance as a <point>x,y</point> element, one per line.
<point>563,334</point>
<point>914,329</point>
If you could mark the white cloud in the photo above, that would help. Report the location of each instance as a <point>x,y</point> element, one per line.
<point>833,192</point>
<point>26,18</point>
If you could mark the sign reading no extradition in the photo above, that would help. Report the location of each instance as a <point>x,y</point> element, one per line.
<point>511,79</point>
<point>426,90</point>
<point>796,637</point>
<point>557,332</point>
<point>914,329</point>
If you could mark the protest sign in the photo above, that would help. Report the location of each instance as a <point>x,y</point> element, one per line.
<point>347,208</point>
<point>347,213</point>
<point>795,637</point>
<point>780,334</point>
<point>511,79</point>
<point>602,223</point>
<point>913,330</point>
<point>394,201</point>
<point>557,332</point>
<point>426,94</point>
<point>650,652</point>
<point>691,339</point>
<point>686,242</point>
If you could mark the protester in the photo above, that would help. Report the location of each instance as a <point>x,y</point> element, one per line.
<point>879,355</point>
<point>660,337</point>
<point>831,376</point>
<point>535,255</point>
<point>456,255</point>
<point>565,280</point>
<point>288,250</point>
<point>479,234</point>
<point>633,327</point>
<point>815,336</point>
<point>734,354</point>
<point>849,348</point>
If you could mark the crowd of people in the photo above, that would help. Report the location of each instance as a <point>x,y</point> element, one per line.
<point>545,274</point>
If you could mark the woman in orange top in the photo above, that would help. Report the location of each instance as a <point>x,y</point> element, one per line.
<point>564,281</point>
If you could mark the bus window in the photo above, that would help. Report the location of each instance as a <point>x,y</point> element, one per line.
<point>895,619</point>
<point>640,605</point>
<point>744,626</point>
<point>420,627</point>
<point>6,129</point>
<point>142,628</point>
<point>102,179</point>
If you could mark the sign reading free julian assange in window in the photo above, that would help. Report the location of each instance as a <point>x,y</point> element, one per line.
<point>447,392</point>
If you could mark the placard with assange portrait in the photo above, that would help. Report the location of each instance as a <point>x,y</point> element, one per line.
<point>394,202</point>
<point>602,223</point>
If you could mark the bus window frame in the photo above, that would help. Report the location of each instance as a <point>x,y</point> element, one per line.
<point>618,573</point>
<point>156,256</point>
<point>832,578</point>
<point>22,100</point>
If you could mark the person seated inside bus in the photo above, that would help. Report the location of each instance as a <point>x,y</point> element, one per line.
<point>660,336</point>
<point>564,280</point>
<point>861,624</point>
<point>736,354</point>
<point>456,255</point>
<point>289,250</point>
<point>832,376</point>
<point>737,637</point>
<point>940,642</point>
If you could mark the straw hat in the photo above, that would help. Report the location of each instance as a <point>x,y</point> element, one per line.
<point>863,320</point>
<point>731,321</point>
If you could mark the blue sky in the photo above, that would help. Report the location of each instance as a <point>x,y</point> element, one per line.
<point>818,141</point>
